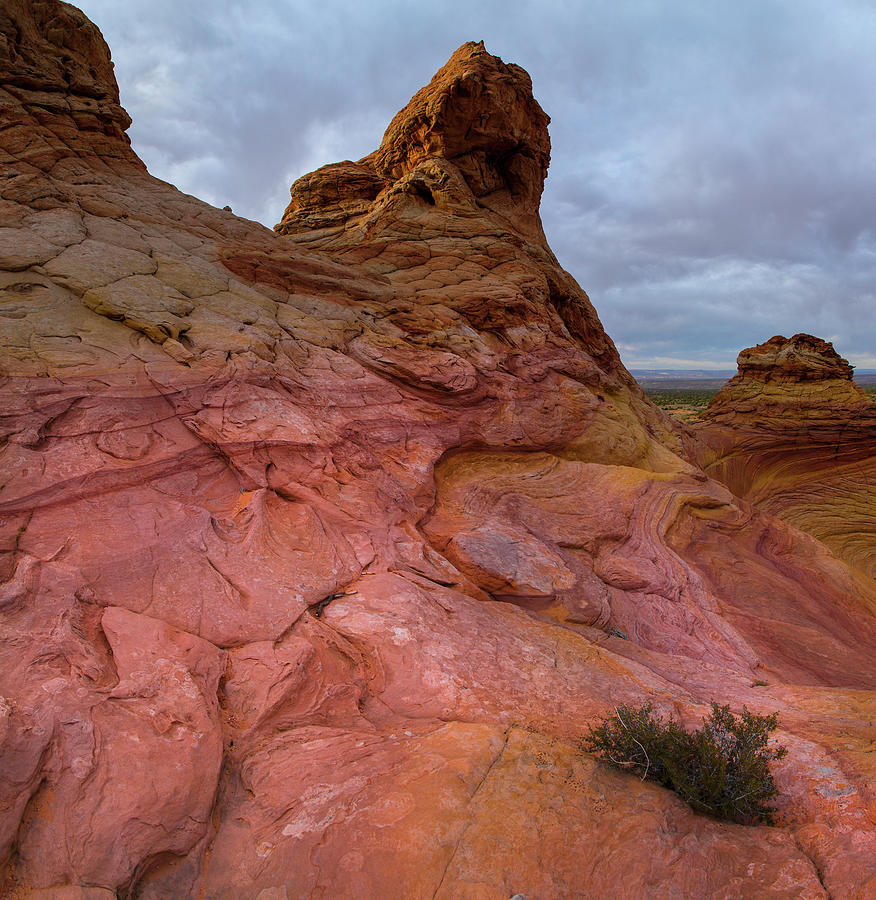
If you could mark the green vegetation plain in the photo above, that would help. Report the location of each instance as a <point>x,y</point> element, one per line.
<point>686,401</point>
<point>681,403</point>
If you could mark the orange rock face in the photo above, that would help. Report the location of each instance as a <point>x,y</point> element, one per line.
<point>317,545</point>
<point>793,433</point>
<point>477,114</point>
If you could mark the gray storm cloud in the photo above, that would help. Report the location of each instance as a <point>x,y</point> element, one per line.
<point>712,183</point>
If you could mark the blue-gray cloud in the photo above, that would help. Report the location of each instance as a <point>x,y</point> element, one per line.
<point>713,180</point>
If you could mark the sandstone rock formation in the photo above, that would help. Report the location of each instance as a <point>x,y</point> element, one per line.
<point>794,378</point>
<point>317,546</point>
<point>793,433</point>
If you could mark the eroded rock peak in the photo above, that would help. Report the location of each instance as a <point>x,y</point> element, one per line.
<point>477,114</point>
<point>52,48</point>
<point>58,94</point>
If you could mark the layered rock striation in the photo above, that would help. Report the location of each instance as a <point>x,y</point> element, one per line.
<point>793,433</point>
<point>317,546</point>
<point>801,379</point>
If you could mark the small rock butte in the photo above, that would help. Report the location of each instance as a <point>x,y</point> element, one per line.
<point>793,433</point>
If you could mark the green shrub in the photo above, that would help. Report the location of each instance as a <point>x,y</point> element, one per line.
<point>721,769</point>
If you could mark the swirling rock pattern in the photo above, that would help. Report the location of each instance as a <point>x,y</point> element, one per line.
<point>317,546</point>
<point>793,433</point>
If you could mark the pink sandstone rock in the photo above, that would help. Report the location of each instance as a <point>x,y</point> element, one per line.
<point>316,545</point>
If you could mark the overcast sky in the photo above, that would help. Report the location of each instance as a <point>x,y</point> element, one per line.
<point>713,173</point>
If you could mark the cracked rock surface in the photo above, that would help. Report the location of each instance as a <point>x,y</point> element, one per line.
<point>316,544</point>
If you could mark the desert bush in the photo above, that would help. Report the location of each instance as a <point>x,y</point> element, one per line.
<point>721,769</point>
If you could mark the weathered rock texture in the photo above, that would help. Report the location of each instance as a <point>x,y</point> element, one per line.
<point>316,546</point>
<point>793,433</point>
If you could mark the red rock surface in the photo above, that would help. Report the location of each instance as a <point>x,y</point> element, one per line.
<point>316,546</point>
<point>793,433</point>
